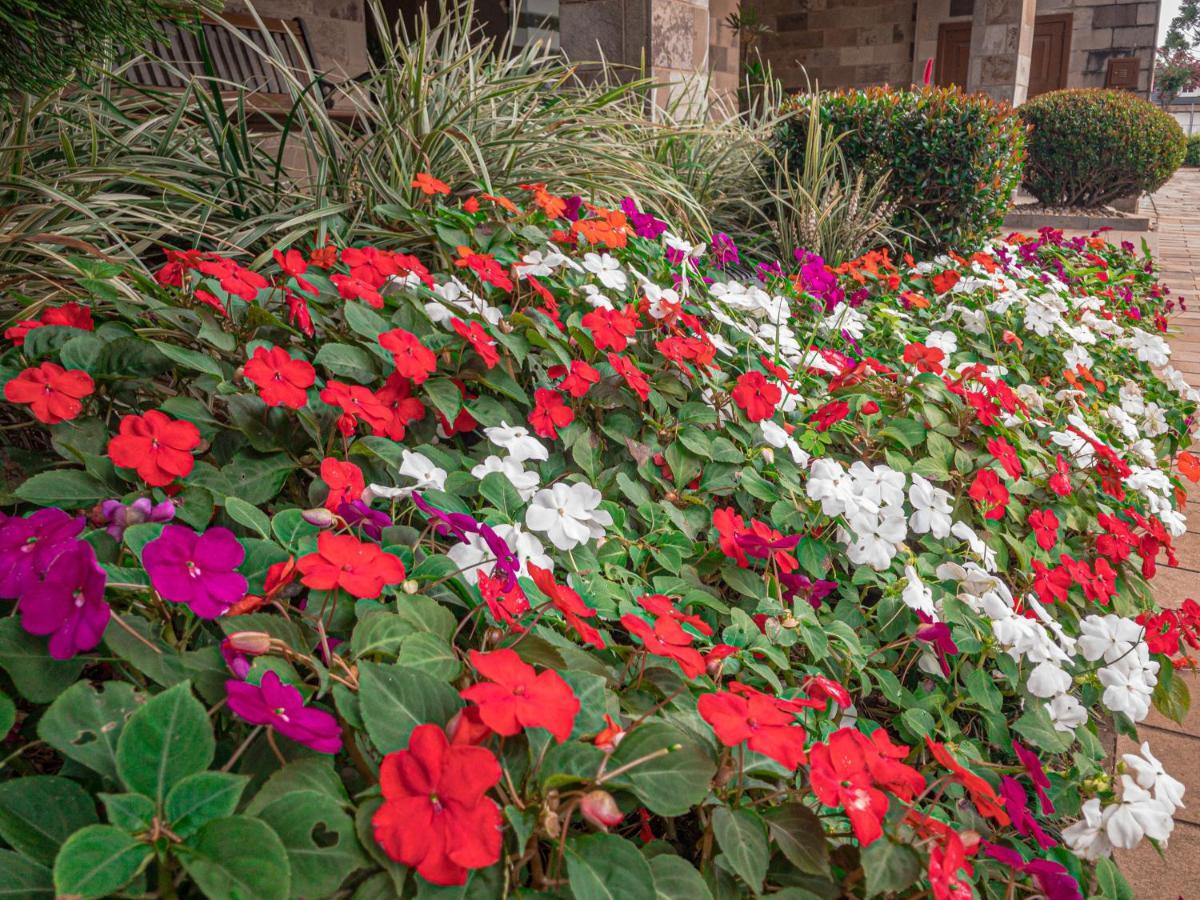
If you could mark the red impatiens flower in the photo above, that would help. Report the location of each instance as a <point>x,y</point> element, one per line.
<point>428,185</point>
<point>756,396</point>
<point>52,393</point>
<point>69,315</point>
<point>483,343</point>
<point>550,413</point>
<point>1045,526</point>
<point>830,414</point>
<point>667,639</point>
<point>233,278</point>
<point>944,281</point>
<point>611,329</point>
<point>1051,585</point>
<point>343,561</point>
<point>577,380</point>
<point>298,312</point>
<point>396,397</point>
<point>852,770</point>
<point>1005,454</point>
<point>982,794</point>
<point>281,379</point>
<point>990,493</point>
<point>506,606</point>
<point>345,482</point>
<point>661,605</point>
<point>349,287</point>
<point>485,267</point>
<point>1060,481</point>
<point>356,402</point>
<point>157,446</point>
<point>515,697</point>
<point>413,359</point>
<point>766,724</point>
<point>926,359</point>
<point>569,604</point>
<point>436,816</point>
<point>294,265</point>
<point>634,377</point>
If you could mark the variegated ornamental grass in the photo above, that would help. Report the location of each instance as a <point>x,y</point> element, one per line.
<point>572,558</point>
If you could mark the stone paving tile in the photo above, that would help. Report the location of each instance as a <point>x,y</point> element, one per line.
<point>1174,876</point>
<point>1176,745</point>
<point>1190,725</point>
<point>1173,586</point>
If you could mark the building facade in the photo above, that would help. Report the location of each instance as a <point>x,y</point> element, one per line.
<point>1010,49</point>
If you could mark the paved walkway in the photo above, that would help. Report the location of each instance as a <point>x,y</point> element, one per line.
<point>1177,875</point>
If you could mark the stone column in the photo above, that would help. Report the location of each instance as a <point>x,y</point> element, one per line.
<point>1001,45</point>
<point>617,31</point>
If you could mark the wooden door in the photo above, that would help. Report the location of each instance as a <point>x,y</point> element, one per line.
<point>953,54</point>
<point>1051,53</point>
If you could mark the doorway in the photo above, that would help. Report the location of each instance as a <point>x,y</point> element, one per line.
<point>953,54</point>
<point>1051,54</point>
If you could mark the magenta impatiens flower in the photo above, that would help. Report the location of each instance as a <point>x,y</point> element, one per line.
<point>196,569</point>
<point>67,602</point>
<point>281,706</point>
<point>120,515</point>
<point>28,544</point>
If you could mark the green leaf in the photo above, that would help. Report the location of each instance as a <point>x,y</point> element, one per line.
<point>1039,731</point>
<point>347,361</point>
<point>237,858</point>
<point>65,488</point>
<point>364,320</point>
<point>98,861</point>
<point>671,784</point>
<point>607,867</point>
<point>202,797</point>
<point>1171,696</point>
<point>319,838</point>
<point>445,396</point>
<point>396,699</point>
<point>165,666</point>
<point>397,873</point>
<point>129,812</point>
<point>677,879</point>
<point>908,432</point>
<point>498,490</point>
<point>743,840</point>
<point>1111,882</point>
<point>426,652</point>
<point>85,722</point>
<point>889,867</point>
<point>163,742</point>
<point>8,713</point>
<point>309,774</point>
<point>982,689</point>
<point>247,514</point>
<point>40,812</point>
<point>197,362</point>
<point>22,878</point>
<point>797,832</point>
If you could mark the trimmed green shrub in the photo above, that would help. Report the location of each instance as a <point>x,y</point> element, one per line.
<point>1090,146</point>
<point>1192,158</point>
<point>952,160</point>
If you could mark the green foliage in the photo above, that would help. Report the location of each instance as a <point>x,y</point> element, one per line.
<point>1192,157</point>
<point>1088,147</point>
<point>44,42</point>
<point>950,160</point>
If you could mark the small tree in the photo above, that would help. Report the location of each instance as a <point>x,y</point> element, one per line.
<point>43,42</point>
<point>1176,71</point>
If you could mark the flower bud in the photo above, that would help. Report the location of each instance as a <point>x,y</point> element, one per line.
<point>599,808</point>
<point>256,643</point>
<point>320,517</point>
<point>768,455</point>
<point>410,586</point>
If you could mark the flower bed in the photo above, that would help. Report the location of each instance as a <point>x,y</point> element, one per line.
<point>578,557</point>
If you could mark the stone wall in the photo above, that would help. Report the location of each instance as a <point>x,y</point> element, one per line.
<point>1103,29</point>
<point>336,30</point>
<point>837,43</point>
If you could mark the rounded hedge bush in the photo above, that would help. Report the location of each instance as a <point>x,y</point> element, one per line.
<point>1088,147</point>
<point>952,159</point>
<point>1193,151</point>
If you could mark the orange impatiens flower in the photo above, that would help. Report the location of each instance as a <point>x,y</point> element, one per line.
<point>1189,466</point>
<point>429,185</point>
<point>53,394</point>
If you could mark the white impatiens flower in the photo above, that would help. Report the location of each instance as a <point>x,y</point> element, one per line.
<point>986,554</point>
<point>880,484</point>
<point>830,485</point>
<point>1149,348</point>
<point>1087,838</point>
<point>1107,637</point>
<point>1127,689</point>
<point>568,515</point>
<point>526,483</point>
<point>1138,815</point>
<point>775,436</point>
<point>607,270</point>
<point>1066,712</point>
<point>946,341</point>
<point>517,441</point>
<point>473,555</point>
<point>931,508</point>
<point>1048,680</point>
<point>418,467</point>
<point>916,594</point>
<point>1149,773</point>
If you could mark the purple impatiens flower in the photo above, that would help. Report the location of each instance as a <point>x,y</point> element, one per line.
<point>120,516</point>
<point>196,569</point>
<point>281,706</point>
<point>67,601</point>
<point>28,544</point>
